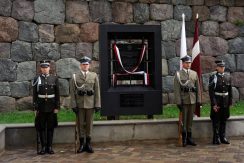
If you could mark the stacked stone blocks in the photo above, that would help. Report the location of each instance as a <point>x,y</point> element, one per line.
<point>65,30</point>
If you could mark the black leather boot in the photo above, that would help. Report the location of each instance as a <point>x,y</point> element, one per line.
<point>183,139</point>
<point>82,147</point>
<point>189,139</point>
<point>223,139</point>
<point>88,145</point>
<point>49,148</point>
<point>43,143</point>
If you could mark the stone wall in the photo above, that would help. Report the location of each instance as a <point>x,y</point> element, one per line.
<point>65,30</point>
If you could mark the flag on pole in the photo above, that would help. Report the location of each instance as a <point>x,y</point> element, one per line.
<point>183,49</point>
<point>183,53</point>
<point>196,60</point>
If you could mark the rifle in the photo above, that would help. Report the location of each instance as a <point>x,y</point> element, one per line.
<point>76,133</point>
<point>37,135</point>
<point>180,124</point>
<point>180,127</point>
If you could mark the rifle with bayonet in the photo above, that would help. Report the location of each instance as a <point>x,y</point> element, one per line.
<point>76,133</point>
<point>180,125</point>
<point>37,134</point>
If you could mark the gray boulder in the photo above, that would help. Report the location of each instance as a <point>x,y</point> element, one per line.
<point>180,9</point>
<point>168,49</point>
<point>28,31</point>
<point>168,84</point>
<point>241,30</point>
<point>49,11</point>
<point>238,79</point>
<point>7,104</point>
<point>26,71</point>
<point>96,50</point>
<point>228,30</point>
<point>165,70</point>
<point>83,49</point>
<point>21,51</point>
<point>68,50</point>
<point>240,61</point>
<point>165,98</point>
<point>125,14</point>
<point>141,12</point>
<point>195,2</point>
<point>236,45</point>
<point>235,94</point>
<point>5,50</point>
<point>20,89</point>
<point>5,7</point>
<point>23,10</point>
<point>77,12</point>
<point>100,11</point>
<point>205,81</point>
<point>5,89</point>
<point>170,29</point>
<point>43,51</point>
<point>64,87</point>
<point>218,13</point>
<point>174,65</point>
<point>178,2</point>
<point>161,11</point>
<point>66,67</point>
<point>213,46</point>
<point>210,28</point>
<point>24,103</point>
<point>46,33</point>
<point>8,70</point>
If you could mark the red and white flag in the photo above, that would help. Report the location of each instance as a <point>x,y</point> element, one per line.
<point>196,59</point>
<point>183,49</point>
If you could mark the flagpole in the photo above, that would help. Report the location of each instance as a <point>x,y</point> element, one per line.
<point>183,48</point>
<point>196,60</point>
<point>183,52</point>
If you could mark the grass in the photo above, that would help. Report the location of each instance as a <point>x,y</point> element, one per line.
<point>66,115</point>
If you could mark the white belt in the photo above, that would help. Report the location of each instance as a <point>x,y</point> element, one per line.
<point>46,96</point>
<point>221,94</point>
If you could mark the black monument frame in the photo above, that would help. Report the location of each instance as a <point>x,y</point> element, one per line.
<point>132,99</point>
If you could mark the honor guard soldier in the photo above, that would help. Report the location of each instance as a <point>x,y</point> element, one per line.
<point>85,99</point>
<point>187,95</point>
<point>46,103</point>
<point>220,92</point>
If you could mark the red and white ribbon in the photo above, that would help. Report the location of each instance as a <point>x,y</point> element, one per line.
<point>133,71</point>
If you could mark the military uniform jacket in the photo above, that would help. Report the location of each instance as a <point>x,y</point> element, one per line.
<point>220,84</point>
<point>80,83</point>
<point>46,95</point>
<point>187,92</point>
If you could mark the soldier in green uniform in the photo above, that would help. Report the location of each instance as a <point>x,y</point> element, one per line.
<point>85,99</point>
<point>187,94</point>
<point>46,103</point>
<point>220,92</point>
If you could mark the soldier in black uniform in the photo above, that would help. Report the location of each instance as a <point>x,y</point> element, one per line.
<point>220,92</point>
<point>46,103</point>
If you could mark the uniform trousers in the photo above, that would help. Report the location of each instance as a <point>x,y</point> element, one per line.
<point>187,116</point>
<point>85,122</point>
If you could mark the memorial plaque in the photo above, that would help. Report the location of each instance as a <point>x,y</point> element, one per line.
<point>130,64</point>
